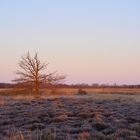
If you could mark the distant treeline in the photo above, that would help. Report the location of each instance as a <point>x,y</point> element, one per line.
<point>97,86</point>
<point>9,85</point>
<point>6,85</point>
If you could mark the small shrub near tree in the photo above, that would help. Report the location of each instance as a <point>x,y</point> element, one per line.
<point>81,92</point>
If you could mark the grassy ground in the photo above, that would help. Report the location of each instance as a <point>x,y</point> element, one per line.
<point>62,114</point>
<point>68,91</point>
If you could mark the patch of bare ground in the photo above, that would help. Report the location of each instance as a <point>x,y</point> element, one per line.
<point>71,118</point>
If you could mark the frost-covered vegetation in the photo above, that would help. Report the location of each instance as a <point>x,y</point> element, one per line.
<point>70,117</point>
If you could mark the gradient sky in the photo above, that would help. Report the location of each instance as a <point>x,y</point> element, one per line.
<point>91,41</point>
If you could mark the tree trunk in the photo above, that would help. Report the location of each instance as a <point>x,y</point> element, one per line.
<point>37,87</point>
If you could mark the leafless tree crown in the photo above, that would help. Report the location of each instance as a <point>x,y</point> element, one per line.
<point>31,72</point>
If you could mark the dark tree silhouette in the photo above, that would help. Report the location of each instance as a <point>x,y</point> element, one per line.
<point>31,72</point>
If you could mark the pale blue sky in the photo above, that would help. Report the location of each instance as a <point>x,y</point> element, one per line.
<point>92,41</point>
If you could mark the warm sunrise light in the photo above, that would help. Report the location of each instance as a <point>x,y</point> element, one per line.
<point>91,41</point>
<point>69,69</point>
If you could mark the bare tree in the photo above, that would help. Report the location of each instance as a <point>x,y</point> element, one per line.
<point>31,72</point>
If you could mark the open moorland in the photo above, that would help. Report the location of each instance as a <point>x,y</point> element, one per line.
<point>65,114</point>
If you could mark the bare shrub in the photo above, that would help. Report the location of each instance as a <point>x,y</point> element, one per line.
<point>81,92</point>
